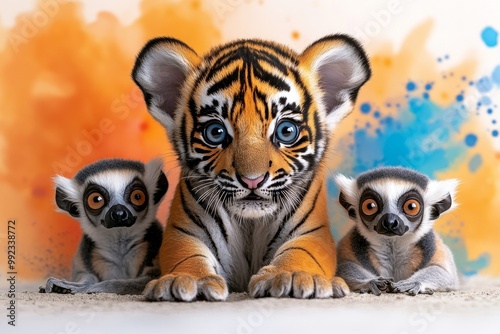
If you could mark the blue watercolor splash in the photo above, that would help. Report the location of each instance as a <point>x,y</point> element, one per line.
<point>419,137</point>
<point>495,75</point>
<point>485,100</point>
<point>489,37</point>
<point>365,108</point>
<point>484,85</point>
<point>471,140</point>
<point>475,163</point>
<point>411,86</point>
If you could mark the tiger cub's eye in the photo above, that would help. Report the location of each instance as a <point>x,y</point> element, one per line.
<point>215,133</point>
<point>287,132</point>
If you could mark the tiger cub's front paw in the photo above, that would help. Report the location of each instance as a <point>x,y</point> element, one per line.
<point>339,287</point>
<point>273,282</point>
<point>186,288</point>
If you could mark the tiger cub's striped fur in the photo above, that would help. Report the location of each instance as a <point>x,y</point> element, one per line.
<point>250,122</point>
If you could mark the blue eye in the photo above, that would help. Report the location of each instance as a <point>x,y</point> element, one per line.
<point>287,132</point>
<point>215,133</point>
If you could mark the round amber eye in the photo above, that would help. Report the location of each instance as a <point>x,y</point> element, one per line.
<point>137,197</point>
<point>411,207</point>
<point>95,200</point>
<point>369,207</point>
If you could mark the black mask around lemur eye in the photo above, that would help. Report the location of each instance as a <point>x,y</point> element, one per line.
<point>409,210</point>
<point>113,209</point>
<point>113,193</point>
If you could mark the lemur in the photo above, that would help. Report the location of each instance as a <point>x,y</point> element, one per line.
<point>115,202</point>
<point>393,246</point>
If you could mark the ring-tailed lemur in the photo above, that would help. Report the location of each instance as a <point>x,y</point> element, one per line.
<point>115,202</point>
<point>393,246</point>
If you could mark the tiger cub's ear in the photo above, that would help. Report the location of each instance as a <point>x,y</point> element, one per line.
<point>342,67</point>
<point>159,71</point>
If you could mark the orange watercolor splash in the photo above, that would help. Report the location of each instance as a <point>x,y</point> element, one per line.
<point>477,216</point>
<point>67,100</point>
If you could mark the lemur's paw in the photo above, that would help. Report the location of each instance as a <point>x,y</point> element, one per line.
<point>410,287</point>
<point>272,282</point>
<point>55,285</point>
<point>380,284</point>
<point>377,285</point>
<point>186,288</point>
<point>339,287</point>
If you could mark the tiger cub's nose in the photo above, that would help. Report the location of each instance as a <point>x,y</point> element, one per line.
<point>253,183</point>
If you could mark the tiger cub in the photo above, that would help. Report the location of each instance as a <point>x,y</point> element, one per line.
<point>250,122</point>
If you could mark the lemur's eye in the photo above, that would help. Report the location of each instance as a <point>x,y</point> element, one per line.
<point>137,197</point>
<point>95,200</point>
<point>411,207</point>
<point>369,207</point>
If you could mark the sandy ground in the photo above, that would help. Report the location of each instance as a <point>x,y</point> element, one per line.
<point>475,307</point>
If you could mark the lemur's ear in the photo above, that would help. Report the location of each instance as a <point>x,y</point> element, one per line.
<point>441,197</point>
<point>66,196</point>
<point>161,188</point>
<point>159,71</point>
<point>156,179</point>
<point>347,193</point>
<point>342,67</point>
<point>349,208</point>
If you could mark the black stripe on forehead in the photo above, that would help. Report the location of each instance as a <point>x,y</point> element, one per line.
<point>398,173</point>
<point>280,50</point>
<point>108,164</point>
<point>250,61</point>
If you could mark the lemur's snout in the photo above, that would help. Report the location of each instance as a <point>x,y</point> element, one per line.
<point>390,224</point>
<point>118,216</point>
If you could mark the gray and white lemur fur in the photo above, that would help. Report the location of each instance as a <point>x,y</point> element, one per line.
<point>115,202</point>
<point>393,246</point>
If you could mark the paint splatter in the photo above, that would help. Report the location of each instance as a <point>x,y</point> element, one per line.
<point>365,108</point>
<point>475,163</point>
<point>484,85</point>
<point>411,86</point>
<point>489,37</point>
<point>495,75</point>
<point>418,138</point>
<point>471,140</point>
